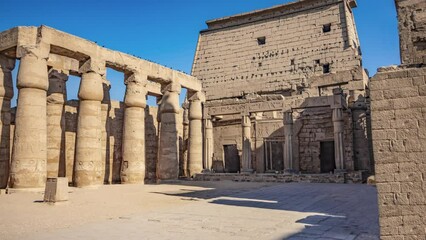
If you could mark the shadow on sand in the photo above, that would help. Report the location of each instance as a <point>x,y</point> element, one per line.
<point>337,211</point>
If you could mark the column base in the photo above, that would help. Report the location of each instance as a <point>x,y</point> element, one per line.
<point>247,170</point>
<point>25,190</point>
<point>337,171</point>
<point>290,171</point>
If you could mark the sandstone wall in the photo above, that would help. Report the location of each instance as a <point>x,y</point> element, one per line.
<point>316,126</point>
<point>398,105</point>
<point>412,30</point>
<point>231,62</point>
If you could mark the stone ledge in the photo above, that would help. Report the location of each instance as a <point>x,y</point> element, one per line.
<point>350,177</point>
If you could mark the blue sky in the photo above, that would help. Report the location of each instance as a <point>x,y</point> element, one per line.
<point>166,31</point>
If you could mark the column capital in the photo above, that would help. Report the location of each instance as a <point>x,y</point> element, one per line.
<point>337,114</point>
<point>135,95</point>
<point>246,121</point>
<point>288,118</point>
<point>7,64</point>
<point>91,87</point>
<point>208,124</point>
<point>170,99</point>
<point>195,110</point>
<point>33,71</point>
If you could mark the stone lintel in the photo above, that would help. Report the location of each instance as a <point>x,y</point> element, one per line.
<point>24,40</point>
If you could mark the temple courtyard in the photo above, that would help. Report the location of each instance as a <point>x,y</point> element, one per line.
<point>194,210</point>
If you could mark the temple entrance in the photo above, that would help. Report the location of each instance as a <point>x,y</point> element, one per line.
<point>232,159</point>
<point>327,159</point>
<point>274,153</point>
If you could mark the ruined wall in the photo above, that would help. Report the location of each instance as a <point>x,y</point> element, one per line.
<point>230,60</point>
<point>226,135</point>
<point>316,127</point>
<point>398,112</point>
<point>412,30</point>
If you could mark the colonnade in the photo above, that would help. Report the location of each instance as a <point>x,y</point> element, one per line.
<point>38,150</point>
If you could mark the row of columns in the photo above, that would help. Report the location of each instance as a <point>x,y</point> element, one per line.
<point>40,116</point>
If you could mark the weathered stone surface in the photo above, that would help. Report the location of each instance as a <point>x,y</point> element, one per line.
<point>412,31</point>
<point>6,93</point>
<point>56,190</point>
<point>399,144</point>
<point>133,165</point>
<point>29,153</point>
<point>168,152</point>
<point>88,167</point>
<point>195,140</point>
<point>283,59</point>
<point>56,97</point>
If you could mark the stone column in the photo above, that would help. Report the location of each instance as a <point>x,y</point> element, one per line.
<point>133,167</point>
<point>195,147</point>
<point>184,160</point>
<point>338,138</point>
<point>288,146</point>
<point>168,152</point>
<point>105,131</point>
<point>88,169</point>
<point>208,144</point>
<point>246,144</point>
<point>6,93</point>
<point>56,97</point>
<point>29,153</point>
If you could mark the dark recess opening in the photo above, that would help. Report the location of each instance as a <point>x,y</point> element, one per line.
<point>261,40</point>
<point>326,28</point>
<point>326,68</point>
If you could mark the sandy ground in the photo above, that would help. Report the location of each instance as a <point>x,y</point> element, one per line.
<point>194,210</point>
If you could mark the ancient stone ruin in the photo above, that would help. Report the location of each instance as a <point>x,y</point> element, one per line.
<point>277,100</point>
<point>398,105</point>
<point>279,92</point>
<point>91,141</point>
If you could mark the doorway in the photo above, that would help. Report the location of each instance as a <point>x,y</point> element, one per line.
<point>232,159</point>
<point>274,153</point>
<point>327,159</point>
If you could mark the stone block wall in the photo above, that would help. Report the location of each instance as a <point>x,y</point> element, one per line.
<point>316,125</point>
<point>412,29</point>
<point>398,112</point>
<point>231,60</point>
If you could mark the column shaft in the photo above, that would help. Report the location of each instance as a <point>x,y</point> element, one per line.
<point>88,167</point>
<point>168,152</point>
<point>133,167</point>
<point>288,146</point>
<point>184,160</point>
<point>6,93</point>
<point>29,153</point>
<point>208,145</point>
<point>195,149</point>
<point>56,97</point>
<point>246,144</point>
<point>338,138</point>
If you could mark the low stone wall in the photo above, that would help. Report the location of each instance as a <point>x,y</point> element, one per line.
<point>351,177</point>
<point>398,112</point>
